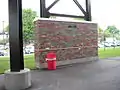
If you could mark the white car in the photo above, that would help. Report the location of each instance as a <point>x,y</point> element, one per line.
<point>4,53</point>
<point>29,49</point>
<point>100,45</point>
<point>118,43</point>
<point>1,47</point>
<point>106,44</point>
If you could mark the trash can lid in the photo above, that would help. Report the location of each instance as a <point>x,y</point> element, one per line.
<point>51,55</point>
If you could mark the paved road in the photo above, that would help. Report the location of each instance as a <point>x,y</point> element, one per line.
<point>1,82</point>
<point>113,58</point>
<point>98,75</point>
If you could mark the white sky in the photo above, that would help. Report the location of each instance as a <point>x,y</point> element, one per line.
<point>105,12</point>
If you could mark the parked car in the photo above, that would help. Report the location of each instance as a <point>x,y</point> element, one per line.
<point>29,49</point>
<point>118,43</point>
<point>6,47</point>
<point>100,45</point>
<point>4,53</point>
<point>113,44</point>
<point>1,47</point>
<point>1,53</point>
<point>107,44</point>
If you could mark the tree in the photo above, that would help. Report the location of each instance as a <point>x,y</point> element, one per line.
<point>28,16</point>
<point>28,25</point>
<point>107,33</point>
<point>100,34</point>
<point>100,30</point>
<point>113,30</point>
<point>7,28</point>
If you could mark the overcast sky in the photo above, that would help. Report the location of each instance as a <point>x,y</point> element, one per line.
<point>105,12</point>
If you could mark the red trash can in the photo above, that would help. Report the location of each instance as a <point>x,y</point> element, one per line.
<point>51,61</point>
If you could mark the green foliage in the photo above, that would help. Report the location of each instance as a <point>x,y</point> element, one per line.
<point>107,33</point>
<point>112,30</point>
<point>118,37</point>
<point>28,17</point>
<point>7,28</point>
<point>101,34</point>
<point>100,30</point>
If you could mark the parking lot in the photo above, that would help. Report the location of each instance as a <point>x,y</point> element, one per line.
<point>5,51</point>
<point>108,44</point>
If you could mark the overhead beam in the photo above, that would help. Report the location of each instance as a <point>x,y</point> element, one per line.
<point>88,16</point>
<point>64,15</point>
<point>79,6</point>
<point>15,35</point>
<point>44,12</point>
<point>52,5</point>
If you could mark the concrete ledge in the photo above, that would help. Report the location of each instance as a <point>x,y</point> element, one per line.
<point>61,20</point>
<point>66,62</point>
<point>81,60</point>
<point>17,80</point>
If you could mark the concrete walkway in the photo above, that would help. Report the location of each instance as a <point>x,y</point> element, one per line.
<point>97,75</point>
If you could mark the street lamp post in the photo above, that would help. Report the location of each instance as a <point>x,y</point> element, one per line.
<point>3,34</point>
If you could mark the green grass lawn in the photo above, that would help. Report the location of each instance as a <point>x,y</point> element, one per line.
<point>29,59</point>
<point>109,52</point>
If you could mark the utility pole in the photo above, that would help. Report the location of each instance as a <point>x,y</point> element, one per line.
<point>3,34</point>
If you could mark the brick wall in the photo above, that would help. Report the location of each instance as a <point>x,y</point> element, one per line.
<point>70,40</point>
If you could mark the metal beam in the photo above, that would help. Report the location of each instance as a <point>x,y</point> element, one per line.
<point>64,15</point>
<point>88,16</point>
<point>15,38</point>
<point>52,5</point>
<point>80,7</point>
<point>43,11</point>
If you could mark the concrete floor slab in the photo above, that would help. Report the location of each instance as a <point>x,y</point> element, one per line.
<point>97,75</point>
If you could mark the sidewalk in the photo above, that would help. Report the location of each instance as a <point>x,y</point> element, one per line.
<point>98,75</point>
